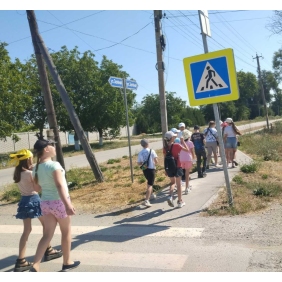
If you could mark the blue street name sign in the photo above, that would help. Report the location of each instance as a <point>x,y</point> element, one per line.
<point>116,82</point>
<point>131,84</point>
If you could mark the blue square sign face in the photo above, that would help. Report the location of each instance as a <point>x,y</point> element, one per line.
<point>210,78</point>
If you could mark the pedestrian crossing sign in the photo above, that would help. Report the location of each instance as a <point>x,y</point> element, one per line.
<point>211,78</point>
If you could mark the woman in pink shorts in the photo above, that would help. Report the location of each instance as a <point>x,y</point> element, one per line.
<point>55,203</point>
<point>186,158</point>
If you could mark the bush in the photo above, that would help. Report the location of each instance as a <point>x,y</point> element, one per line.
<point>238,179</point>
<point>11,194</point>
<point>112,161</point>
<point>141,179</point>
<point>261,192</point>
<point>250,168</point>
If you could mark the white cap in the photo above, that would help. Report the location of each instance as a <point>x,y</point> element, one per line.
<point>229,120</point>
<point>174,130</point>
<point>169,135</point>
<point>181,124</point>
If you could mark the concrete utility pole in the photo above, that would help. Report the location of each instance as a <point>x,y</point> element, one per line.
<point>65,98</point>
<point>262,90</point>
<point>218,127</point>
<point>160,45</point>
<point>45,87</point>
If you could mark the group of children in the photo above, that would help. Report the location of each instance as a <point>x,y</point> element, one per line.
<point>186,148</point>
<point>53,206</point>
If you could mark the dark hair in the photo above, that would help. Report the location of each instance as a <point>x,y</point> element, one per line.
<point>39,155</point>
<point>22,166</point>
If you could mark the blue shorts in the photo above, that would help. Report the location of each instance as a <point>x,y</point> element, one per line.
<point>231,143</point>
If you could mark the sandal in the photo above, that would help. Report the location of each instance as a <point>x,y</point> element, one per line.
<point>22,265</point>
<point>51,253</point>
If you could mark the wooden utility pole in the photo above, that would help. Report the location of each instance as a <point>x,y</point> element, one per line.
<point>45,88</point>
<point>262,90</point>
<point>160,68</point>
<point>66,100</point>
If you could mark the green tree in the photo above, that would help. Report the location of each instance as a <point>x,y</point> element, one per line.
<point>13,94</point>
<point>97,104</point>
<point>148,114</point>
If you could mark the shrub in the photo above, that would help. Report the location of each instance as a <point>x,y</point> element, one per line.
<point>160,178</point>
<point>238,179</point>
<point>250,168</point>
<point>112,161</point>
<point>264,176</point>
<point>11,194</point>
<point>141,179</point>
<point>261,192</point>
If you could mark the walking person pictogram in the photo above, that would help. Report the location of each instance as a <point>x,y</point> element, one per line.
<point>209,77</point>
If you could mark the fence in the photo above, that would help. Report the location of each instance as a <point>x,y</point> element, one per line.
<point>27,139</point>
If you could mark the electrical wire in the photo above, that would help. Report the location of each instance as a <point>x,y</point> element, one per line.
<point>74,32</point>
<point>59,26</point>
<point>124,38</point>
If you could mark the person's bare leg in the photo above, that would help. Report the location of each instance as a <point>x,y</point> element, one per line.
<point>149,191</point>
<point>65,226</point>
<point>179,189</point>
<point>24,237</point>
<point>50,223</point>
<point>172,185</point>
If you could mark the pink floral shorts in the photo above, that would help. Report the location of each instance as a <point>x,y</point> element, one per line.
<point>55,207</point>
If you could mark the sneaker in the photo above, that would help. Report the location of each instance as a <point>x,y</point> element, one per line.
<point>153,196</point>
<point>207,167</point>
<point>204,174</point>
<point>170,201</point>
<point>186,191</point>
<point>183,183</point>
<point>147,203</point>
<point>200,176</point>
<point>180,204</point>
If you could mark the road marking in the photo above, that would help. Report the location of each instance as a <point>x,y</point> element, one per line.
<point>116,230</point>
<point>113,259</point>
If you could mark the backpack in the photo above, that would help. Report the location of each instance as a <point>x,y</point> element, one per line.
<point>170,163</point>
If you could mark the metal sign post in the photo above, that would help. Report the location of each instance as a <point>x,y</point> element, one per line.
<point>125,84</point>
<point>203,16</point>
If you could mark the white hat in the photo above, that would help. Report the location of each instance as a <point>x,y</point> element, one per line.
<point>169,135</point>
<point>229,120</point>
<point>186,134</point>
<point>181,124</point>
<point>174,130</point>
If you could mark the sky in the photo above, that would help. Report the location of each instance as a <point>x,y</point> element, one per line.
<point>125,34</point>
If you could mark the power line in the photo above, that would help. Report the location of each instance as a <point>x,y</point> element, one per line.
<point>124,38</point>
<point>73,32</point>
<point>252,47</point>
<point>211,13</point>
<point>59,26</point>
<point>189,34</point>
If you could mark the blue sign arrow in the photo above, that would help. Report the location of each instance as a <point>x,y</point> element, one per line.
<point>116,82</point>
<point>131,84</point>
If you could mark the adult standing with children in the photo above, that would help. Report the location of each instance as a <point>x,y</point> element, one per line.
<point>150,158</point>
<point>55,204</point>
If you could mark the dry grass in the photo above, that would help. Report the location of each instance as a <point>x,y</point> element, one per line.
<point>117,191</point>
<point>267,178</point>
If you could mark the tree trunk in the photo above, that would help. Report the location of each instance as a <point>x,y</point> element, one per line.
<point>100,136</point>
<point>76,142</point>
